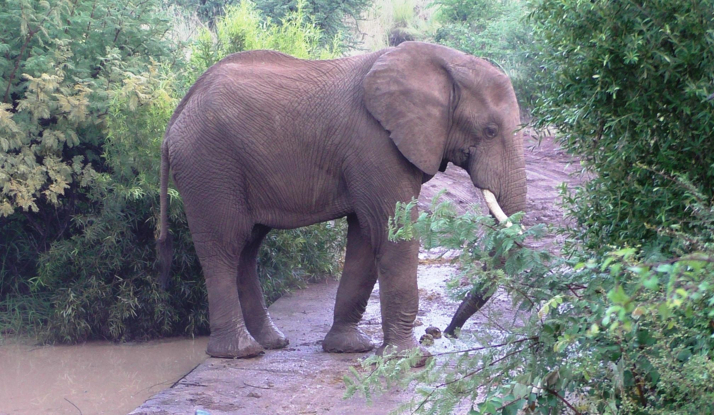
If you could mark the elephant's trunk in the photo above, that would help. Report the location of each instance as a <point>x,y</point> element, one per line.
<point>512,197</point>
<point>471,304</point>
<point>509,198</point>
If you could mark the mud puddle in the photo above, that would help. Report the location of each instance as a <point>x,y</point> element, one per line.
<point>92,378</point>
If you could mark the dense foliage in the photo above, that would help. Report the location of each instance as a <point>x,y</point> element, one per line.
<point>207,11</point>
<point>89,88</point>
<point>61,63</point>
<point>622,323</point>
<point>630,86</point>
<point>243,28</point>
<point>330,16</point>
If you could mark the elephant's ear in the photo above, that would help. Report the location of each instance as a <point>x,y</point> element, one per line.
<point>409,91</point>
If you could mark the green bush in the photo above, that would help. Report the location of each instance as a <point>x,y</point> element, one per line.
<point>81,132</point>
<point>330,16</point>
<point>243,28</point>
<point>206,10</point>
<point>629,86</point>
<point>61,61</point>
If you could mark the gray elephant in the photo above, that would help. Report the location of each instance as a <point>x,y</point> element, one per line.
<point>263,140</point>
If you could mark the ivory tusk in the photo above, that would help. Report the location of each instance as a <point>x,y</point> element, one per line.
<point>495,209</point>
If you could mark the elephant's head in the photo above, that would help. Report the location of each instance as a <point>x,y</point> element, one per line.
<point>443,105</point>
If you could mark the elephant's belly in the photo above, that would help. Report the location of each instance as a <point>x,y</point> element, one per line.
<point>288,219</point>
<point>288,208</point>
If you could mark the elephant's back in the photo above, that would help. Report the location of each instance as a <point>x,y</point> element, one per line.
<point>262,95</point>
<point>274,76</point>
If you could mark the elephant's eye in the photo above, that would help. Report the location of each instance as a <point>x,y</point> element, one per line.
<point>491,131</point>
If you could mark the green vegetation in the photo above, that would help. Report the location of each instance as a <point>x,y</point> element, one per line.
<point>387,22</point>
<point>611,334</point>
<point>332,17</point>
<point>62,65</point>
<point>621,323</point>
<point>243,28</point>
<point>206,10</point>
<point>88,90</point>
<point>634,101</point>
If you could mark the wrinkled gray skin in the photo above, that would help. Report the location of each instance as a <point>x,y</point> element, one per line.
<point>263,140</point>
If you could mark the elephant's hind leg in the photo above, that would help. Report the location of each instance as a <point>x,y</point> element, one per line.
<point>229,336</point>
<point>356,284</point>
<point>257,319</point>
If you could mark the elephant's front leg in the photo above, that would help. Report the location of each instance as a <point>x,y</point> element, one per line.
<point>398,293</point>
<point>356,284</point>
<point>229,336</point>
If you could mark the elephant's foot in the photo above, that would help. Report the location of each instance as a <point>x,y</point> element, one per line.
<point>403,349</point>
<point>233,347</point>
<point>270,337</point>
<point>347,340</point>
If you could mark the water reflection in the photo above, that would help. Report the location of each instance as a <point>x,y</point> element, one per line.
<point>96,377</point>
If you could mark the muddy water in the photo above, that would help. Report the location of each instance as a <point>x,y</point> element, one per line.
<point>92,378</point>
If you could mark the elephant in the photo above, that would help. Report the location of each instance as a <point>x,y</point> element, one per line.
<point>266,141</point>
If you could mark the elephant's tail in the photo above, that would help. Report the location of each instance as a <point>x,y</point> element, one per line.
<point>164,244</point>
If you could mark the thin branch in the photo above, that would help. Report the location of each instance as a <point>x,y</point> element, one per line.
<point>557,395</point>
<point>71,403</point>
<point>495,346</point>
<point>467,375</point>
<point>573,291</point>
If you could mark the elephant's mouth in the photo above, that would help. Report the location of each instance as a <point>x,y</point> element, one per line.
<point>495,208</point>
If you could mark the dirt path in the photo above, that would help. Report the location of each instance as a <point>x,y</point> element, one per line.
<point>302,379</point>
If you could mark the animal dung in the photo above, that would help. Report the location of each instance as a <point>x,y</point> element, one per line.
<point>434,332</point>
<point>426,340</point>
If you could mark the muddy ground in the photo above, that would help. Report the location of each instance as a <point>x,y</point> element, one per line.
<point>302,379</point>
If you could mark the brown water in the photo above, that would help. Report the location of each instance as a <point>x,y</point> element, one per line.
<point>91,378</point>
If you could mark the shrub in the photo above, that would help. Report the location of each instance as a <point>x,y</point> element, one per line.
<point>243,28</point>
<point>61,61</point>
<point>330,16</point>
<point>629,87</point>
<point>206,10</point>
